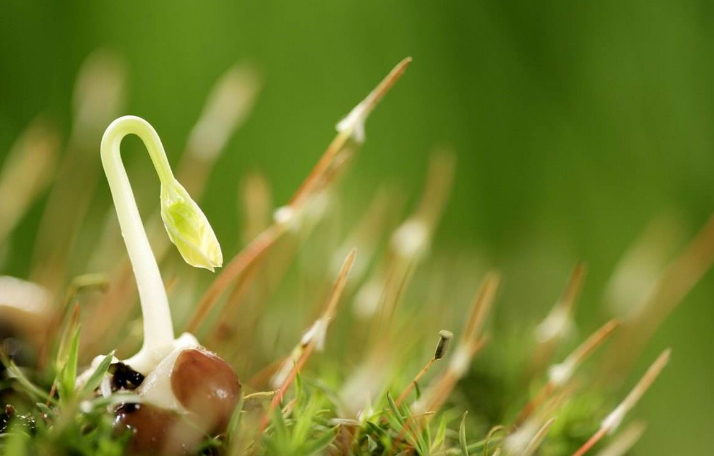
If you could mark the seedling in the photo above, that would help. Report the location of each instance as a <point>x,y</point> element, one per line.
<point>185,223</point>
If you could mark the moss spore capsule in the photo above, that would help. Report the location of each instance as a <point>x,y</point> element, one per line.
<point>443,345</point>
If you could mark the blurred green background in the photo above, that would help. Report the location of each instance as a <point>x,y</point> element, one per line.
<point>574,123</point>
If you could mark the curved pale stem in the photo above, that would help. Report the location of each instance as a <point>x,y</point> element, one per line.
<point>158,328</point>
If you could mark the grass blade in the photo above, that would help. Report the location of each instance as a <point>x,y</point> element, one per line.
<point>97,375</point>
<point>68,374</point>
<point>462,436</point>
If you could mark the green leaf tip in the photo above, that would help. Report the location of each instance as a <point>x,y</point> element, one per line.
<point>188,228</point>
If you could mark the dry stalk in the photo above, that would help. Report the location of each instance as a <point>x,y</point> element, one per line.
<point>673,285</point>
<point>614,419</point>
<point>560,374</point>
<point>558,323</point>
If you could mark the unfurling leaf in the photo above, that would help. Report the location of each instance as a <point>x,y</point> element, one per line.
<point>188,228</point>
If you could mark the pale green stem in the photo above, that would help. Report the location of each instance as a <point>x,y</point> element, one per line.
<point>158,328</point>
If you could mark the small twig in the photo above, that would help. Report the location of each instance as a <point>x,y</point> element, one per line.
<point>260,395</point>
<point>625,441</point>
<point>444,340</point>
<point>558,321</point>
<point>592,441</point>
<point>343,136</point>
<point>670,289</point>
<point>561,373</point>
<point>26,172</point>
<point>613,420</point>
<point>481,307</point>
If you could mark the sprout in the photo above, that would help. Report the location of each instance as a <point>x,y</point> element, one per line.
<point>172,376</point>
<point>186,225</point>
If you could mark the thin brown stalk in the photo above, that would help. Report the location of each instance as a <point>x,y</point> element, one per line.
<point>625,441</point>
<point>415,381</point>
<point>441,348</point>
<point>97,98</point>
<point>563,309</point>
<point>398,278</point>
<point>435,397</point>
<point>441,389</point>
<point>26,173</point>
<point>641,265</point>
<point>256,200</point>
<point>575,285</point>
<point>439,181</point>
<point>591,343</point>
<point>613,420</point>
<point>592,441</point>
<point>673,285</point>
<point>551,331</point>
<point>308,186</point>
<point>367,233</point>
<point>646,381</point>
<point>568,367</point>
<point>481,307</point>
<point>280,392</point>
<point>309,345</point>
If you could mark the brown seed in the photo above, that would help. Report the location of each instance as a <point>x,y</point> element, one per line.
<point>155,431</point>
<point>207,386</point>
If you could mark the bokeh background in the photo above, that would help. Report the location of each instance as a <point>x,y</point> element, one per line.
<point>575,124</point>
